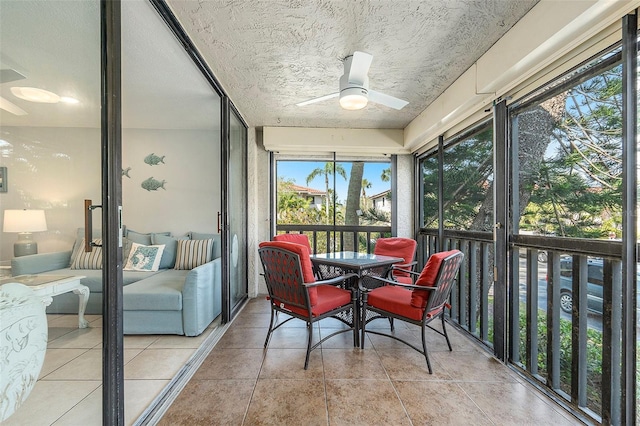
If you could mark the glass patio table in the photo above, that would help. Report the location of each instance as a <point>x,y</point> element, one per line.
<point>329,265</point>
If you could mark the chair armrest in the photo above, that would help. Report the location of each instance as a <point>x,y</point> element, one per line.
<point>332,281</point>
<point>391,282</point>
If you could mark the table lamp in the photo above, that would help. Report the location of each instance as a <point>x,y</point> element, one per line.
<point>24,222</point>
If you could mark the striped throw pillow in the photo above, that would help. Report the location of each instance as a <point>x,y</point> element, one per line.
<point>192,253</point>
<point>91,260</point>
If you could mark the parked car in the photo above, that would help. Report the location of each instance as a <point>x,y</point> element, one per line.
<point>594,284</point>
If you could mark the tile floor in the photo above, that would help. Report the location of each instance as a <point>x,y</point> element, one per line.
<point>387,383</point>
<point>69,389</point>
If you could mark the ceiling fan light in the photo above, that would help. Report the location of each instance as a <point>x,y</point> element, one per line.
<point>33,94</point>
<point>353,99</point>
<point>69,100</point>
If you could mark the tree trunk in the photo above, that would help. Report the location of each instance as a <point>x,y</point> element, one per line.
<point>535,129</point>
<point>351,216</point>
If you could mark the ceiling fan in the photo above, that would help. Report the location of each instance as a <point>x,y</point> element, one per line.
<point>6,76</point>
<point>354,86</point>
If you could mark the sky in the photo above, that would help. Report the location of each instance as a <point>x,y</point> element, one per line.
<point>299,170</point>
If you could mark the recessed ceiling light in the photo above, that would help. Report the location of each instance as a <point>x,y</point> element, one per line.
<point>69,100</point>
<point>33,94</point>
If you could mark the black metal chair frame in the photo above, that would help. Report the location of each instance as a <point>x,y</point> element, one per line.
<point>438,300</point>
<point>299,290</point>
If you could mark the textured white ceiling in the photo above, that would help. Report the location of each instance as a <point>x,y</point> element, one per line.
<point>271,54</point>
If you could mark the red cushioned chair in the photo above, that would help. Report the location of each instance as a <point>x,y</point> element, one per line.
<point>294,291</point>
<point>299,239</point>
<point>398,247</point>
<point>425,302</point>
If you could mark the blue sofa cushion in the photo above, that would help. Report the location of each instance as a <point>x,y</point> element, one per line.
<point>170,248</point>
<point>193,253</point>
<point>161,292</point>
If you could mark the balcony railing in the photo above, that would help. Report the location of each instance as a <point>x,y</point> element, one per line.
<point>565,312</point>
<point>327,238</point>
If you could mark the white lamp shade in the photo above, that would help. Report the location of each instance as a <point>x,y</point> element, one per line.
<point>24,221</point>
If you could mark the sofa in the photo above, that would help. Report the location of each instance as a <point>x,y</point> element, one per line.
<point>180,294</point>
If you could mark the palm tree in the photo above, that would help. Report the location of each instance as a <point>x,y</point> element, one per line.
<point>330,168</point>
<point>386,175</point>
<point>365,185</point>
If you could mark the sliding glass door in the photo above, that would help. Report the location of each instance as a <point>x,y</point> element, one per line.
<point>235,232</point>
<point>50,161</point>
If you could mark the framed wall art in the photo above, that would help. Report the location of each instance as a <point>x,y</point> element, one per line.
<point>3,179</point>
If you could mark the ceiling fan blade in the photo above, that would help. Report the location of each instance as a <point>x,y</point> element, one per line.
<point>7,75</point>
<point>11,107</point>
<point>320,99</point>
<point>360,63</point>
<point>390,101</point>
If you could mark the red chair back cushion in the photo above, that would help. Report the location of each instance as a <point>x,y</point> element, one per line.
<point>428,277</point>
<point>294,238</point>
<point>300,250</point>
<point>397,247</point>
<point>305,261</point>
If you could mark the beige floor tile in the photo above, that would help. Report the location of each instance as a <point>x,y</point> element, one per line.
<point>408,364</point>
<point>210,402</point>
<point>231,363</point>
<point>139,341</point>
<point>342,340</point>
<point>87,412</point>
<point>173,341</point>
<point>352,364</point>
<point>258,305</point>
<point>78,338</point>
<point>87,366</point>
<point>364,402</point>
<point>50,400</point>
<point>138,394</point>
<point>288,402</point>
<point>157,364</point>
<point>253,320</point>
<point>468,366</point>
<point>56,358</point>
<point>439,403</point>
<point>292,337</point>
<point>241,337</point>
<point>289,364</point>
<point>512,403</point>
<point>384,342</point>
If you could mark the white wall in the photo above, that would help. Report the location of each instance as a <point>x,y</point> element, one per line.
<point>55,169</point>
<point>190,200</point>
<point>258,209</point>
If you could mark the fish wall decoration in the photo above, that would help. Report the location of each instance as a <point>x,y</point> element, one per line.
<point>152,184</point>
<point>125,172</point>
<point>153,159</point>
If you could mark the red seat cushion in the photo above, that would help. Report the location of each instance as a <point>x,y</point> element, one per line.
<point>305,261</point>
<point>428,278</point>
<point>329,298</point>
<point>294,238</point>
<point>396,300</point>
<point>397,247</point>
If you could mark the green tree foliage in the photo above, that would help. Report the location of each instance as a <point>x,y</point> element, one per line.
<point>329,169</point>
<point>577,191</point>
<point>291,207</point>
<point>468,169</point>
